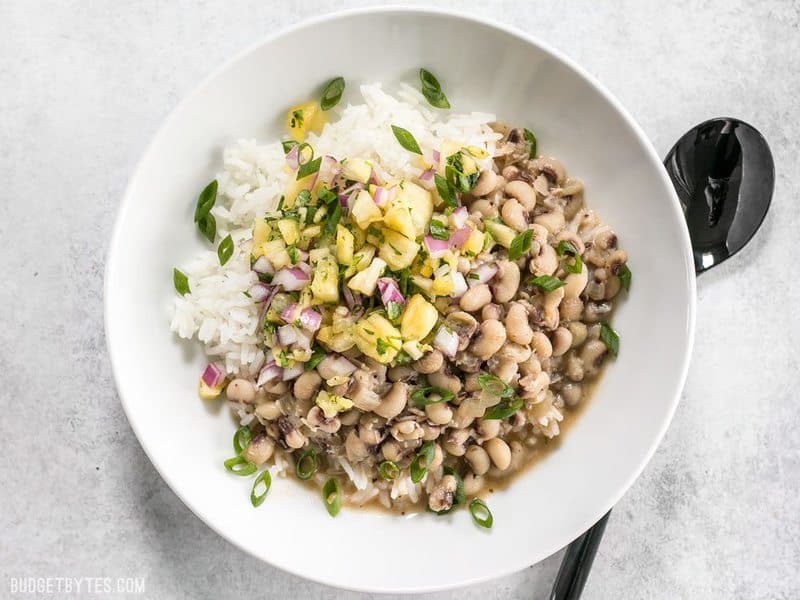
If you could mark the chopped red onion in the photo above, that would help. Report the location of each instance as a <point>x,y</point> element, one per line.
<point>485,273</point>
<point>303,340</point>
<point>457,238</point>
<point>268,374</point>
<point>390,291</point>
<point>343,200</point>
<point>310,319</point>
<point>350,298</point>
<point>375,178</point>
<point>260,291</point>
<point>459,284</point>
<point>212,375</point>
<point>294,372</point>
<point>338,365</point>
<point>446,340</point>
<point>328,168</point>
<point>263,266</point>
<point>436,157</point>
<point>291,279</point>
<point>426,180</point>
<point>436,248</point>
<point>265,304</point>
<point>291,313</point>
<point>293,158</point>
<point>304,267</point>
<point>287,335</point>
<point>381,196</point>
<point>357,186</point>
<point>459,217</point>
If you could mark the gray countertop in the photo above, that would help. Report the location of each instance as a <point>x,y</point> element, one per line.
<point>716,514</point>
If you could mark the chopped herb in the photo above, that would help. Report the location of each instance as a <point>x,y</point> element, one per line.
<point>406,140</point>
<point>405,275</point>
<point>283,360</point>
<point>208,227</point>
<point>528,136</point>
<point>432,90</point>
<point>264,480</point>
<point>389,470</point>
<point>332,497</point>
<point>445,191</point>
<point>431,395</point>
<point>381,346</point>
<point>402,358</point>
<point>332,93</point>
<point>205,201</point>
<point>473,276</point>
<point>610,338</point>
<point>241,439</point>
<point>625,277</point>
<point>316,357</point>
<point>327,196</point>
<point>281,201</point>
<point>181,282</point>
<point>439,230</point>
<point>495,386</point>
<point>240,466</point>
<point>420,464</point>
<point>297,119</point>
<point>566,248</point>
<point>309,168</point>
<point>504,409</point>
<point>293,254</point>
<point>303,198</point>
<point>333,219</point>
<point>547,282</point>
<point>288,145</point>
<point>225,250</point>
<point>264,277</point>
<point>393,310</point>
<point>520,245</point>
<point>481,515</point>
<point>310,212</point>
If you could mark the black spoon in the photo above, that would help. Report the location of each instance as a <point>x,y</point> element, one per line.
<point>724,176</point>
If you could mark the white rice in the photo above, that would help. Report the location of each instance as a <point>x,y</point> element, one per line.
<point>217,311</point>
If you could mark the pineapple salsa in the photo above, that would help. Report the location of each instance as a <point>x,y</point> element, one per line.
<point>426,312</point>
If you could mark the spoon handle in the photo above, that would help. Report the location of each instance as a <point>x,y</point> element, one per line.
<point>577,562</point>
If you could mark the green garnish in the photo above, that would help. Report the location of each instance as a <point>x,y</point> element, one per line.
<point>421,462</point>
<point>473,276</point>
<point>381,346</point>
<point>316,357</point>
<point>332,497</point>
<point>241,439</point>
<point>566,248</point>
<point>610,338</point>
<point>547,282</point>
<point>297,118</point>
<point>393,310</point>
<point>431,395</point>
<point>333,219</point>
<point>528,136</point>
<point>439,230</point>
<point>309,168</point>
<point>389,470</point>
<point>495,386</point>
<point>293,255</point>
<point>181,282</point>
<point>283,360</point>
<point>303,198</point>
<point>264,479</point>
<point>504,409</point>
<point>225,250</point>
<point>625,277</point>
<point>481,514</point>
<point>205,201</point>
<point>405,276</point>
<point>240,466</point>
<point>208,227</point>
<point>306,464</point>
<point>459,497</point>
<point>332,93</point>
<point>432,90</point>
<point>288,145</point>
<point>445,191</point>
<point>520,244</point>
<point>327,196</point>
<point>406,140</point>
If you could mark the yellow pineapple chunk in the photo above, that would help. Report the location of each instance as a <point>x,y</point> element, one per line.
<point>290,230</point>
<point>442,286</point>
<point>364,210</point>
<point>365,281</point>
<point>303,118</point>
<point>376,337</point>
<point>331,404</point>
<point>357,169</point>
<point>344,245</point>
<point>397,250</point>
<point>209,393</point>
<point>418,202</point>
<point>261,231</point>
<point>474,244</point>
<point>337,342</point>
<point>268,249</point>
<point>325,285</point>
<point>419,318</point>
<point>399,219</point>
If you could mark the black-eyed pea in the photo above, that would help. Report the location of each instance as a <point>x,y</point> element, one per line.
<point>506,370</point>
<point>579,333</point>
<point>573,367</point>
<point>486,183</point>
<point>532,366</point>
<point>393,402</point>
<point>430,432</point>
<point>553,221</point>
<point>513,215</point>
<point>241,390</point>
<point>541,345</point>
<point>592,355</point>
<point>259,450</point>
<point>484,208</point>
<point>430,362</point>
<point>516,352</point>
<point>499,452</point>
<point>574,283</point>
<point>561,341</point>
<point>492,311</point>
<point>522,192</point>
<point>518,328</point>
<point>487,429</point>
<point>444,380</point>
<point>439,413</point>
<point>478,459</point>
<point>506,281</point>
<point>545,262</point>
<point>475,298</point>
<point>269,410</point>
<point>473,484</point>
<point>571,308</point>
<point>438,457</point>
<point>552,300</point>
<point>455,443</point>
<point>307,385</point>
<point>491,339</point>
<point>571,393</point>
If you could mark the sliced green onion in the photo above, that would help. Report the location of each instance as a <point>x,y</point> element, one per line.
<point>332,497</point>
<point>316,357</point>
<point>293,254</point>
<point>610,338</point>
<point>332,93</point>
<point>333,219</point>
<point>241,439</point>
<point>625,277</point>
<point>327,196</point>
<point>181,282</point>
<point>528,136</point>
<point>520,244</point>
<point>547,282</point>
<point>389,470</point>
<point>481,514</point>
<point>306,464</point>
<point>504,409</point>
<point>495,386</point>
<point>240,466</point>
<point>288,145</point>
<point>566,248</point>
<point>225,250</point>
<point>431,395</point>
<point>264,480</point>
<point>205,201</point>
<point>309,168</point>
<point>445,191</point>
<point>208,227</point>
<point>439,230</point>
<point>459,497</point>
<point>432,89</point>
<point>421,462</point>
<point>406,140</point>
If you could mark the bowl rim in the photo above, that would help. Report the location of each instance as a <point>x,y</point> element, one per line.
<point>421,11</point>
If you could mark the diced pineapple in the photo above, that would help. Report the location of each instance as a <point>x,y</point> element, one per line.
<point>268,249</point>
<point>399,219</point>
<point>502,233</point>
<point>419,318</point>
<point>332,405</point>
<point>423,283</point>
<point>325,285</point>
<point>451,259</point>
<point>365,281</point>
<point>376,337</point>
<point>426,270</point>
<point>308,234</point>
<point>209,393</point>
<point>290,230</point>
<point>468,164</point>
<point>442,286</point>
<point>280,259</point>
<point>336,342</point>
<point>295,186</point>
<point>303,118</point>
<point>344,245</point>
<point>317,254</point>
<point>364,210</point>
<point>477,152</point>
<point>357,169</point>
<point>361,260</point>
<point>397,250</point>
<point>418,200</point>
<point>261,231</point>
<point>449,147</point>
<point>414,349</point>
<point>474,243</point>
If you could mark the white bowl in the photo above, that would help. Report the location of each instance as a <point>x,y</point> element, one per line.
<point>483,66</point>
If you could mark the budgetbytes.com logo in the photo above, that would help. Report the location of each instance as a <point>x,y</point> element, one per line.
<point>64,586</point>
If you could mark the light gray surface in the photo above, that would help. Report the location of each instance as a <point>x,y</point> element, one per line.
<point>84,85</point>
